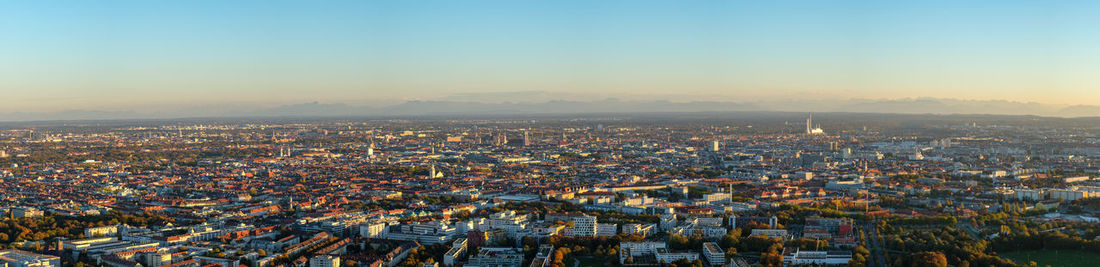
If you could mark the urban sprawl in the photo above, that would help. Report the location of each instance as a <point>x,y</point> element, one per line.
<point>780,190</point>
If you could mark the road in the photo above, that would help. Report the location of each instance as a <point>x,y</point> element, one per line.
<point>969,229</point>
<point>874,245</point>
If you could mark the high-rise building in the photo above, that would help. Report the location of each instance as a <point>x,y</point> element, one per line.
<point>526,138</point>
<point>500,139</point>
<point>716,144</point>
<point>584,225</point>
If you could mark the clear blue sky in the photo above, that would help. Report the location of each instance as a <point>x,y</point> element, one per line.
<point>126,54</point>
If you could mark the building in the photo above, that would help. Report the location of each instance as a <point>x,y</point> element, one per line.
<point>717,197</point>
<point>371,229</point>
<point>668,221</point>
<point>714,254</point>
<point>509,221</point>
<point>433,232</point>
<point>458,249</point>
<point>19,258</point>
<point>584,225</point>
<point>708,232</point>
<point>842,226</point>
<point>771,222</point>
<point>1029,194</point>
<point>772,233</point>
<point>606,229</point>
<point>1074,193</point>
<point>481,238</point>
<point>706,222</point>
<point>161,257</point>
<point>109,230</point>
<point>663,255</point>
<point>543,256</point>
<point>651,253</point>
<point>496,257</point>
<point>810,129</point>
<point>204,261</point>
<point>26,212</point>
<point>324,261</point>
<point>635,250</point>
<point>793,256</point>
<point>640,229</point>
<point>1075,179</point>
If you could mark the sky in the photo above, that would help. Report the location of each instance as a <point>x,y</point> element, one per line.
<point>148,55</point>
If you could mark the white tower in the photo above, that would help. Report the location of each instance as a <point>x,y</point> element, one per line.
<point>809,124</point>
<point>434,173</point>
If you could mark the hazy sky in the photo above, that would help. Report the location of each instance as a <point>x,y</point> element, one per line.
<point>58,55</point>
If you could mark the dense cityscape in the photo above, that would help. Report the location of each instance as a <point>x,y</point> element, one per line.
<point>768,189</point>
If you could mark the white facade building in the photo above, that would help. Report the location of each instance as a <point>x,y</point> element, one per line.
<point>584,225</point>
<point>324,261</point>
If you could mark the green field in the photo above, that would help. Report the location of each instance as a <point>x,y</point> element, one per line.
<point>1067,258</point>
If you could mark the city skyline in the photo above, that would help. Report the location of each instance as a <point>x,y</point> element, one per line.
<point>493,133</point>
<point>161,57</point>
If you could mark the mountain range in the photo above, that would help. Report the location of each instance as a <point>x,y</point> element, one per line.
<point>452,107</point>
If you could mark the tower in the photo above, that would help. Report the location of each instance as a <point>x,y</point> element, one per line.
<point>809,124</point>
<point>435,173</point>
<point>810,129</point>
<point>526,138</point>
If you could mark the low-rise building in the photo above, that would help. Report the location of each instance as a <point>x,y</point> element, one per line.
<point>19,258</point>
<point>794,256</point>
<point>496,257</point>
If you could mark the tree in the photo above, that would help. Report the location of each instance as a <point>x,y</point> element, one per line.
<point>679,242</point>
<point>559,257</point>
<point>929,259</point>
<point>857,261</point>
<point>681,262</point>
